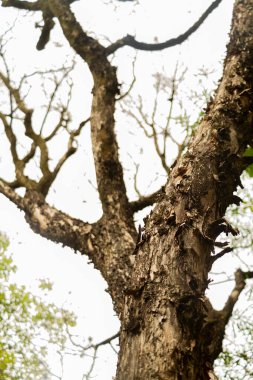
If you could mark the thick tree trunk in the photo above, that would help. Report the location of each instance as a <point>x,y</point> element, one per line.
<point>169,329</point>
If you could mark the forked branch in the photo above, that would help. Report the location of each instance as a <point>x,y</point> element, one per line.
<point>21,112</point>
<point>216,321</point>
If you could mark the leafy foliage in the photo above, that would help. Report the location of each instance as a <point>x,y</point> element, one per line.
<point>249,153</point>
<point>28,326</point>
<point>235,362</point>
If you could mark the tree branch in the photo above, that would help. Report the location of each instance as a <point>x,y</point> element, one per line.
<point>15,93</point>
<point>147,200</point>
<point>21,179</point>
<point>6,190</point>
<point>50,222</point>
<point>25,5</point>
<point>44,183</point>
<point>109,171</point>
<point>216,321</point>
<point>220,254</point>
<point>45,30</point>
<point>160,132</point>
<point>131,41</point>
<point>91,345</point>
<point>113,237</point>
<point>240,284</point>
<point>106,341</point>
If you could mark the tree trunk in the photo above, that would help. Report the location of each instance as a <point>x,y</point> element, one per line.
<point>169,329</point>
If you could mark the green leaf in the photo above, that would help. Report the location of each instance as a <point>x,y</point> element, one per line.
<point>24,318</point>
<point>249,153</point>
<point>249,170</point>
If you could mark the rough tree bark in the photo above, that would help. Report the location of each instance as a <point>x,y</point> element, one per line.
<point>157,280</point>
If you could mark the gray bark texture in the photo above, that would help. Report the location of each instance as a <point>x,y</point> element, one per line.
<point>157,280</point>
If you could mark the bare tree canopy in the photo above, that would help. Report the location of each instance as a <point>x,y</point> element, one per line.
<point>157,276</point>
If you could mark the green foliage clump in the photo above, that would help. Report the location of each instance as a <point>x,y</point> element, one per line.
<point>29,326</point>
<point>249,153</point>
<point>235,362</point>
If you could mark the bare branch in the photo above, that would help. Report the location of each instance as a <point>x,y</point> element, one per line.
<point>248,275</point>
<point>26,5</point>
<point>131,41</point>
<point>147,200</point>
<point>117,223</point>
<point>70,151</point>
<point>58,84</point>
<point>153,128</point>
<point>166,132</point>
<point>131,84</point>
<point>8,76</point>
<point>159,151</point>
<point>220,254</point>
<point>40,5</point>
<point>147,125</point>
<point>140,123</point>
<point>58,126</point>
<point>15,93</point>
<point>135,179</point>
<point>79,129</point>
<point>44,73</point>
<point>106,341</point>
<point>91,345</point>
<point>216,321</point>
<point>45,30</point>
<point>88,374</point>
<point>21,179</point>
<point>30,154</point>
<point>47,178</point>
<point>240,284</point>
<point>50,222</point>
<point>81,348</point>
<point>11,194</point>
<point>109,171</point>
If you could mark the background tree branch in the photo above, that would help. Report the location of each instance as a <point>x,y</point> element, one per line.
<point>131,41</point>
<point>216,321</point>
<point>38,141</point>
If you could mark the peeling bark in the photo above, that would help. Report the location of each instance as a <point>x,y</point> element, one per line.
<point>168,330</point>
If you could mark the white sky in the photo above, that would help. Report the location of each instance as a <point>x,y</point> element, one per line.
<point>36,257</point>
